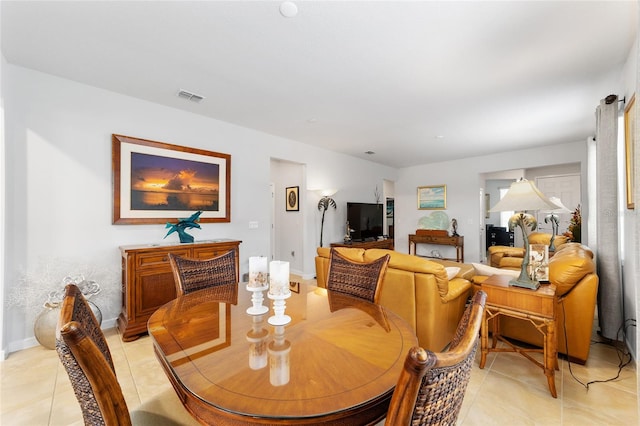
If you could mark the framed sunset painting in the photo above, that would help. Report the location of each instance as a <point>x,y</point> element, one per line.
<point>156,182</point>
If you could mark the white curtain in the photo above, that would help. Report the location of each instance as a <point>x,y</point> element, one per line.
<point>608,246</point>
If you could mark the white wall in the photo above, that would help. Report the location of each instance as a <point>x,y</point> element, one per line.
<point>3,64</point>
<point>59,192</point>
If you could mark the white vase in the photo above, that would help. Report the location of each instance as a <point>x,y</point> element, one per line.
<point>44,327</point>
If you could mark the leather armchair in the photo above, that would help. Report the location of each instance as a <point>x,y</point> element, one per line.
<point>511,257</point>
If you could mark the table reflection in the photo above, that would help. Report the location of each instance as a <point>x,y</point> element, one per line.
<point>279,363</point>
<point>257,338</point>
<point>338,301</point>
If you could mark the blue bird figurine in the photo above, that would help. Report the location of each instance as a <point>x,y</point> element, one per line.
<point>182,226</point>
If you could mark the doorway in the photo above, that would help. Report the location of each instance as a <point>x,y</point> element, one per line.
<point>567,189</point>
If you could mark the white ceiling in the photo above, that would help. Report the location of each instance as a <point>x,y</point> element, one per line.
<point>414,81</point>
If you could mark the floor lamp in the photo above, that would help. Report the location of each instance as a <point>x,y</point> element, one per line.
<point>325,202</point>
<point>522,196</point>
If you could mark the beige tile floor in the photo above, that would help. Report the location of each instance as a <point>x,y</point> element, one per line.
<point>510,390</point>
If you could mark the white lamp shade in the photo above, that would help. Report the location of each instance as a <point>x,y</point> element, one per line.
<point>561,207</point>
<point>326,192</point>
<point>523,195</point>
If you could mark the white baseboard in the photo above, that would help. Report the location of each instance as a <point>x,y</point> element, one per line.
<point>31,341</point>
<point>21,345</point>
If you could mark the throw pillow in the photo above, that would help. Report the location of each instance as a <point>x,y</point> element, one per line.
<point>452,272</point>
<point>482,269</point>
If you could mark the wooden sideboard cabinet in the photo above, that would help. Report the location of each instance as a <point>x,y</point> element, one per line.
<point>382,244</point>
<point>147,279</point>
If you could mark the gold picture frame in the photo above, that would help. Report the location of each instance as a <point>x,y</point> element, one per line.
<point>432,197</point>
<point>629,143</point>
<point>487,206</point>
<point>292,199</point>
<point>539,262</point>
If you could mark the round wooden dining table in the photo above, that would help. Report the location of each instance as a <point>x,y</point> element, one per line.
<point>336,362</point>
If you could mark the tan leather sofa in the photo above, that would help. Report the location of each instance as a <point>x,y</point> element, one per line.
<point>573,271</point>
<point>416,289</point>
<point>511,257</point>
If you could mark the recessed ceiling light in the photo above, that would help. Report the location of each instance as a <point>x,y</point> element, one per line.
<point>439,136</point>
<point>288,9</point>
<point>369,152</point>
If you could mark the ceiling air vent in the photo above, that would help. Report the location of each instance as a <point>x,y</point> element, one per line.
<point>190,96</point>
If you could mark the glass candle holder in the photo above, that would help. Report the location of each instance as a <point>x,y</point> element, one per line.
<point>258,282</point>
<point>279,291</point>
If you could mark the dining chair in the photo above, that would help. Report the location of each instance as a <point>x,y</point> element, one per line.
<point>85,355</point>
<point>359,279</point>
<point>218,274</point>
<point>431,385</point>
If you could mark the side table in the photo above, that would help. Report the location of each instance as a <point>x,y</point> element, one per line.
<point>536,307</point>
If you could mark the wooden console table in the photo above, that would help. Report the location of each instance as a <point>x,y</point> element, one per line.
<point>147,279</point>
<point>537,307</point>
<point>381,244</point>
<point>442,240</point>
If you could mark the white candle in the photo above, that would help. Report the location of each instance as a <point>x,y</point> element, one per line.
<point>279,278</point>
<point>258,271</point>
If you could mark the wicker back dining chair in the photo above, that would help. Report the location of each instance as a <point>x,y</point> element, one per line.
<point>85,355</point>
<point>359,279</point>
<point>218,274</point>
<point>432,385</point>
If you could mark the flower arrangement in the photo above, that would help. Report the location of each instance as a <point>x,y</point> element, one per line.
<point>574,231</point>
<point>42,285</point>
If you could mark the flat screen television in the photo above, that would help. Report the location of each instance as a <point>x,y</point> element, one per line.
<point>366,221</point>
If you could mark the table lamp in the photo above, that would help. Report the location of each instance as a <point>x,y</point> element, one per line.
<point>553,218</point>
<point>523,195</point>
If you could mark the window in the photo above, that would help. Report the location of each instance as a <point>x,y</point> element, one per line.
<point>504,216</point>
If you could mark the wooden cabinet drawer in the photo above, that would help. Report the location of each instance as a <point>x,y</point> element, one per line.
<point>158,258</point>
<point>209,252</point>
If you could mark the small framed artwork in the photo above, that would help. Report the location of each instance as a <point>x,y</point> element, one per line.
<point>629,143</point>
<point>292,199</point>
<point>487,206</point>
<point>539,262</point>
<point>432,197</point>
<point>156,182</point>
<point>294,286</point>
